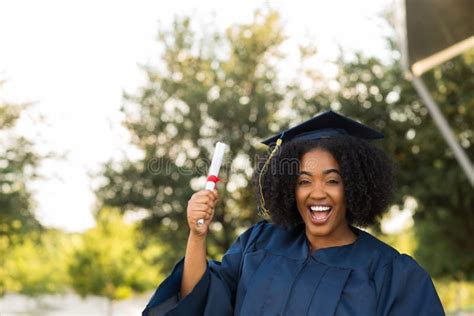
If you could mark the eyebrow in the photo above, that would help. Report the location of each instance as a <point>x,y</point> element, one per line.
<point>325,172</point>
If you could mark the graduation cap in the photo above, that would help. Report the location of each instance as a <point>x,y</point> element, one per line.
<point>328,124</point>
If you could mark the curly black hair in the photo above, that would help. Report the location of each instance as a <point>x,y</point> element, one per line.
<point>366,171</point>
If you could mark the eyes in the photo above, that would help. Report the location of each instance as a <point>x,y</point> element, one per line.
<point>303,182</point>
<point>329,181</point>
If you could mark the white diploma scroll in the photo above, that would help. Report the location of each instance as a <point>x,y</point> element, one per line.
<point>216,163</point>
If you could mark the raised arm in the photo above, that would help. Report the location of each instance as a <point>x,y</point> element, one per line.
<point>200,206</point>
<point>197,286</point>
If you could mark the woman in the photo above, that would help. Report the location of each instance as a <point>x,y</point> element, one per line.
<point>321,179</point>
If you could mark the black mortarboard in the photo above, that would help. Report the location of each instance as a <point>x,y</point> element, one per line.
<point>325,125</point>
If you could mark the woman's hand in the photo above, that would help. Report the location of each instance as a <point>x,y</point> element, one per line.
<point>201,206</point>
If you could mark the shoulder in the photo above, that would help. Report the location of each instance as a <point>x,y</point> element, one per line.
<point>271,237</point>
<point>385,258</point>
<point>377,248</point>
<point>404,268</point>
<point>263,231</point>
<point>255,232</point>
<point>403,287</point>
<point>380,256</point>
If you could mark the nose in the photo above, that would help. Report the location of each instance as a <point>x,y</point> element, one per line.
<point>318,192</point>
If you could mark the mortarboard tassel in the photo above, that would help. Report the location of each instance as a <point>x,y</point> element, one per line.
<point>263,210</point>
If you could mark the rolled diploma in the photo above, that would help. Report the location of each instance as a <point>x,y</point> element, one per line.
<point>216,163</point>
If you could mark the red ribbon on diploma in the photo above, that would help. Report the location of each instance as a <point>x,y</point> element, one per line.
<point>213,179</point>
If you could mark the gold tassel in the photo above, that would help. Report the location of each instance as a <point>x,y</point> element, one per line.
<point>263,210</point>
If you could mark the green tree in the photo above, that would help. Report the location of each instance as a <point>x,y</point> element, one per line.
<point>18,164</point>
<point>37,265</point>
<point>219,87</point>
<point>197,97</point>
<point>111,260</point>
<point>377,93</point>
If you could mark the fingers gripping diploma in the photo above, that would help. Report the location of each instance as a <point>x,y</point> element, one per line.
<point>201,207</point>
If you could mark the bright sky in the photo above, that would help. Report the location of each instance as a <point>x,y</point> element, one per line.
<point>74,59</point>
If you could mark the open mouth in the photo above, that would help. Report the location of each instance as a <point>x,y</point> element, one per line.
<point>319,214</point>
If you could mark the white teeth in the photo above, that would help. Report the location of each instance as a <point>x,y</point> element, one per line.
<point>320,208</point>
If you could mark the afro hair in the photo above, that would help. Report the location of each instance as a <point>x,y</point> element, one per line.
<point>366,171</point>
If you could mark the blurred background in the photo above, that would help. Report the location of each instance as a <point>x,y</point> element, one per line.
<point>109,112</point>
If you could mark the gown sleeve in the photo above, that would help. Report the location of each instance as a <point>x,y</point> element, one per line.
<point>405,288</point>
<point>214,294</point>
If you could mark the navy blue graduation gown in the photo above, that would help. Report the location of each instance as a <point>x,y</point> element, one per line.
<point>269,270</point>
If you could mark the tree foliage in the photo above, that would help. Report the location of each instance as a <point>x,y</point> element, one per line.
<point>378,94</point>
<point>227,87</point>
<point>18,163</point>
<point>218,88</point>
<point>110,260</point>
<point>35,266</point>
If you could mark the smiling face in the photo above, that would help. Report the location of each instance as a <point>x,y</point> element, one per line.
<point>321,202</point>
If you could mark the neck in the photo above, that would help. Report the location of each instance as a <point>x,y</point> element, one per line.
<point>343,237</point>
